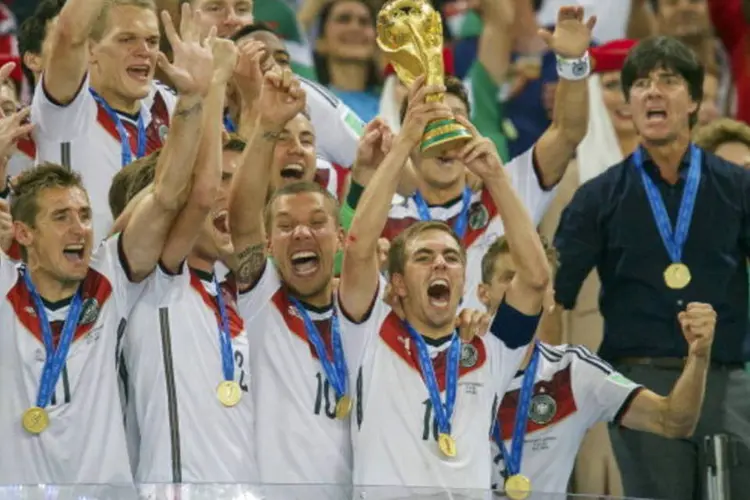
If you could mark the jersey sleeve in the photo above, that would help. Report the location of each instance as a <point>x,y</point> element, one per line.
<point>357,336</point>
<point>602,392</point>
<point>109,260</point>
<point>62,123</point>
<point>510,334</point>
<point>338,127</point>
<point>251,301</point>
<point>523,176</point>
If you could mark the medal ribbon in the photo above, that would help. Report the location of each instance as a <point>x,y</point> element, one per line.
<point>673,241</point>
<point>459,226</point>
<point>228,123</point>
<point>443,412</point>
<point>55,358</point>
<point>127,154</point>
<point>336,372</point>
<point>513,460</point>
<point>225,341</point>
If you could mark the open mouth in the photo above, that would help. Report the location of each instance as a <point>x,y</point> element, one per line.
<point>293,172</point>
<point>73,253</point>
<point>221,222</point>
<point>140,72</point>
<point>439,293</point>
<point>656,115</point>
<point>305,263</point>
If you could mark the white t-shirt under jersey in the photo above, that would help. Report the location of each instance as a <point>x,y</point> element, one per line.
<point>393,434</point>
<point>573,390</point>
<point>174,365</point>
<point>298,438</point>
<point>85,440</point>
<point>82,136</point>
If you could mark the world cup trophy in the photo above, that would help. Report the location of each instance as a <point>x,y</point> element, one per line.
<point>410,33</point>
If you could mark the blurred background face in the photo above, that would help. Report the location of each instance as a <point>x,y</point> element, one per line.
<point>124,60</point>
<point>445,171</point>
<point>294,154</point>
<point>617,108</point>
<point>349,33</point>
<point>685,19</point>
<point>9,101</point>
<point>227,15</point>
<point>491,294</point>
<point>736,152</point>
<point>709,105</point>
<point>37,62</point>
<point>304,237</point>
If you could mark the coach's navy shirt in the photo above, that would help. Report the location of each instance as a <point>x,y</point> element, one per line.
<point>609,225</point>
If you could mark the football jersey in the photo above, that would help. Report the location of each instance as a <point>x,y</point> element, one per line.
<point>573,390</point>
<point>173,359</point>
<point>23,158</point>
<point>85,440</point>
<point>82,136</point>
<point>298,438</point>
<point>332,177</point>
<point>485,225</point>
<point>394,434</point>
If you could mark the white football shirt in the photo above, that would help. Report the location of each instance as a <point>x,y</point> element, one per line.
<point>174,365</point>
<point>298,438</point>
<point>573,390</point>
<point>393,433</point>
<point>485,225</point>
<point>85,440</point>
<point>82,136</point>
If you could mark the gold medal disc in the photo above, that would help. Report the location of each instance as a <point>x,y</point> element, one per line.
<point>517,487</point>
<point>447,445</point>
<point>343,407</point>
<point>677,276</point>
<point>35,420</point>
<point>229,393</point>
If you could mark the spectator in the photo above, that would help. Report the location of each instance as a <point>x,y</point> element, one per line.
<point>727,139</point>
<point>618,223</point>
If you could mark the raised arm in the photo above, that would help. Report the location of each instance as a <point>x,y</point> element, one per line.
<point>676,415</point>
<point>359,275</point>
<point>207,173</point>
<point>570,42</point>
<point>69,49</point>
<point>192,71</point>
<point>281,99</point>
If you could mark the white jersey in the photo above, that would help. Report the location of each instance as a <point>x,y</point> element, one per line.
<point>573,390</point>
<point>331,177</point>
<point>394,435</point>
<point>485,225</point>
<point>85,440</point>
<point>82,136</point>
<point>174,365</point>
<point>337,128</point>
<point>298,438</point>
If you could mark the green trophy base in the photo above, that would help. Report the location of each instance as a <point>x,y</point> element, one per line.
<point>443,135</point>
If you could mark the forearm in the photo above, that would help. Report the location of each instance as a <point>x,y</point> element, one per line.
<point>76,21</point>
<point>495,44</point>
<point>642,21</point>
<point>208,165</point>
<point>248,120</point>
<point>683,405</point>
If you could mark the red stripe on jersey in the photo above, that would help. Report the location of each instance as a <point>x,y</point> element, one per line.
<point>342,174</point>
<point>14,252</point>
<point>323,177</point>
<point>396,336</point>
<point>95,286</point>
<point>27,146</point>
<point>558,388</point>
<point>295,324</point>
<point>229,294</point>
<point>159,121</point>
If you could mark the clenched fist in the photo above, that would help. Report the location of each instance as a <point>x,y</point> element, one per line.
<point>698,322</point>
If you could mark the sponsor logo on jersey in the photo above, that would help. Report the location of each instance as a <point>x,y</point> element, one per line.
<point>543,409</point>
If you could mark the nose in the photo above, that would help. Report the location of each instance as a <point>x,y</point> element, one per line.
<point>439,262</point>
<point>301,231</point>
<point>233,20</point>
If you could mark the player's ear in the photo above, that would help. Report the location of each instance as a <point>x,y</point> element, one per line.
<point>22,234</point>
<point>340,239</point>
<point>398,285</point>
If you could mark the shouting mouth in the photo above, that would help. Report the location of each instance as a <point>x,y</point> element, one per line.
<point>439,293</point>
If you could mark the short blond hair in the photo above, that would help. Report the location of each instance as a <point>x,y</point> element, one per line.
<point>501,247</point>
<point>100,25</point>
<point>397,252</point>
<point>721,131</point>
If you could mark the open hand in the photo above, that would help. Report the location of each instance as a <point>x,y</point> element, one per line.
<point>373,146</point>
<point>470,323</point>
<point>419,113</point>
<point>572,36</point>
<point>12,128</point>
<point>281,99</point>
<point>248,75</point>
<point>225,59</point>
<point>698,322</point>
<point>480,154</point>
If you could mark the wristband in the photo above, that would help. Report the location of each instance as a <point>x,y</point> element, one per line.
<point>355,193</point>
<point>574,69</point>
<point>5,193</point>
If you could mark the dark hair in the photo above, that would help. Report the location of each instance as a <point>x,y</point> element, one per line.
<point>321,61</point>
<point>249,29</point>
<point>33,31</point>
<point>453,86</point>
<point>663,52</point>
<point>299,188</point>
<point>24,206</point>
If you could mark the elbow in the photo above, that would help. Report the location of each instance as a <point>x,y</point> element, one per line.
<point>678,424</point>
<point>676,430</point>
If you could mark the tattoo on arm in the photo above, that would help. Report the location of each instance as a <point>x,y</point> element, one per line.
<point>250,264</point>
<point>184,113</point>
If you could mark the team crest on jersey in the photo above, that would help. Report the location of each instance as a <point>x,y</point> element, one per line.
<point>469,355</point>
<point>89,311</point>
<point>543,408</point>
<point>478,216</point>
<point>163,131</point>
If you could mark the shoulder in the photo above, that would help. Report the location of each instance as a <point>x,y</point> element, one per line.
<point>577,356</point>
<point>318,94</point>
<point>720,167</point>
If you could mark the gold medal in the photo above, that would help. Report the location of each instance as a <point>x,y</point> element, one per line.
<point>517,487</point>
<point>343,407</point>
<point>447,445</point>
<point>229,393</point>
<point>35,420</point>
<point>677,276</point>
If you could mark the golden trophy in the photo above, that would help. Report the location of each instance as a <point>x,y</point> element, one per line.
<point>410,34</point>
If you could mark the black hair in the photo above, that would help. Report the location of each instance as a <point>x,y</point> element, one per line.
<point>664,52</point>
<point>33,30</point>
<point>249,29</point>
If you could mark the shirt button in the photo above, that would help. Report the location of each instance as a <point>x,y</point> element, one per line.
<point>680,303</point>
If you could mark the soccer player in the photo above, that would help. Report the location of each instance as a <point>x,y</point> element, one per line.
<point>407,433</point>
<point>64,309</point>
<point>564,390</point>
<point>97,107</point>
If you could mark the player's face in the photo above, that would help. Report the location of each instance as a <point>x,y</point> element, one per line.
<point>294,154</point>
<point>229,16</point>
<point>661,106</point>
<point>60,241</point>
<point>491,294</point>
<point>304,239</point>
<point>349,32</point>
<point>736,152</point>
<point>447,170</point>
<point>433,281</point>
<point>617,107</point>
<point>8,98</point>
<point>125,57</point>
<point>275,49</point>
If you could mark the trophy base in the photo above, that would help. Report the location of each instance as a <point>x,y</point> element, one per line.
<point>443,135</point>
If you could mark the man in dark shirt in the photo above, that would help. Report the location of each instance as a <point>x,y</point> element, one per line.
<point>667,226</point>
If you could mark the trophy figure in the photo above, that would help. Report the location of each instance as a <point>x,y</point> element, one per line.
<point>410,34</point>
